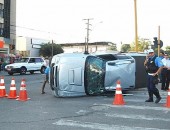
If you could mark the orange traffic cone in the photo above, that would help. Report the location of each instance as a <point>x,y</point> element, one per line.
<point>12,92</point>
<point>168,98</point>
<point>118,100</point>
<point>2,88</point>
<point>23,92</point>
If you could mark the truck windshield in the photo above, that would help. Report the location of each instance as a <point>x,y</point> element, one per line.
<point>94,75</point>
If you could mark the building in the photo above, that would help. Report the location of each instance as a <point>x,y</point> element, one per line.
<point>4,26</point>
<point>92,47</point>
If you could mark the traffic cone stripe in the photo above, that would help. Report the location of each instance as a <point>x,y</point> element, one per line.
<point>23,82</point>
<point>118,92</point>
<point>2,87</point>
<point>12,82</point>
<point>2,81</point>
<point>168,93</point>
<point>12,88</point>
<point>22,88</point>
<point>118,86</point>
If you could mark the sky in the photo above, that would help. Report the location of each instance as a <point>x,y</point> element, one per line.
<point>111,20</point>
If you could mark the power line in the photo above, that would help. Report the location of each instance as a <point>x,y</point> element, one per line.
<point>33,29</point>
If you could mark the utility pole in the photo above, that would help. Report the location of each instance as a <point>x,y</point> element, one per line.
<point>87,37</point>
<point>136,27</point>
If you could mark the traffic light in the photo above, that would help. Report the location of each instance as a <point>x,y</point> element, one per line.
<point>156,42</point>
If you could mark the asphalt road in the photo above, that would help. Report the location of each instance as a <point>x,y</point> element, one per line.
<point>44,111</point>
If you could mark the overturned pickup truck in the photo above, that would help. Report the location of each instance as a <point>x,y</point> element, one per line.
<point>77,74</point>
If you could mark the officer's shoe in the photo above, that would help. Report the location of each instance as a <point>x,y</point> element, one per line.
<point>149,100</point>
<point>158,100</point>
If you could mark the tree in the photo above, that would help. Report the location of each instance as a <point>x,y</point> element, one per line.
<point>167,49</point>
<point>113,47</point>
<point>46,49</point>
<point>143,44</point>
<point>125,47</point>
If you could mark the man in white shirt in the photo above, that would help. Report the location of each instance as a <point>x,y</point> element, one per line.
<point>165,74</point>
<point>168,68</point>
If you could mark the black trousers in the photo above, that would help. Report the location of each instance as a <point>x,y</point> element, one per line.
<point>165,78</point>
<point>168,79</point>
<point>150,85</point>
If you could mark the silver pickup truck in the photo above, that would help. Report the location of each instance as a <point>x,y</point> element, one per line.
<point>78,74</point>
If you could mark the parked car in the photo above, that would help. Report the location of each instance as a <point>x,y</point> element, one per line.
<point>28,64</point>
<point>84,74</point>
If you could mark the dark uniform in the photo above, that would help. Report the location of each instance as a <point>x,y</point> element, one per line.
<point>152,67</point>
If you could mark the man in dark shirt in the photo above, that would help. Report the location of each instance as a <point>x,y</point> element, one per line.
<point>153,66</point>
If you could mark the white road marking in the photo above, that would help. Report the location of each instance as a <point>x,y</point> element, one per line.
<point>136,117</point>
<point>98,126</point>
<point>142,100</point>
<point>135,107</point>
<point>82,112</point>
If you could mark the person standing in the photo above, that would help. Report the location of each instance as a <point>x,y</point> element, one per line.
<point>164,73</point>
<point>46,79</point>
<point>153,66</point>
<point>168,73</point>
<point>161,56</point>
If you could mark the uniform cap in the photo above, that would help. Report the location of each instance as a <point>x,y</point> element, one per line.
<point>150,50</point>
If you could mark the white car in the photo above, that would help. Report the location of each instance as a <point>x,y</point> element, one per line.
<point>28,64</point>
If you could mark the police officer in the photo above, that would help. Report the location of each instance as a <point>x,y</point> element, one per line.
<point>153,66</point>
